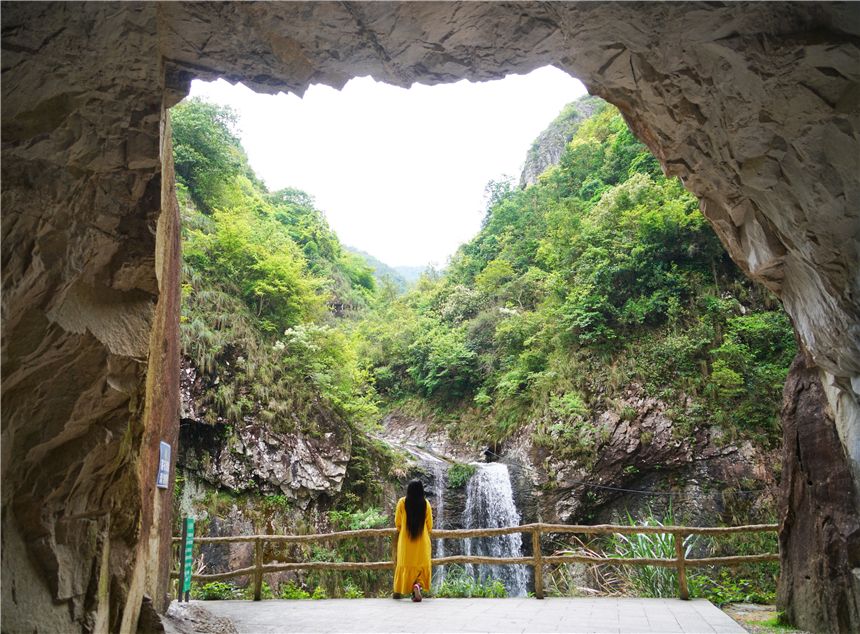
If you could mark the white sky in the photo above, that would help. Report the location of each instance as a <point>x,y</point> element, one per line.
<point>399,173</point>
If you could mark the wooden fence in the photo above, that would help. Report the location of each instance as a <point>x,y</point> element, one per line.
<point>537,559</point>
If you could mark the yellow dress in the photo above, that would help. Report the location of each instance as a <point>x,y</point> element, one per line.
<point>413,557</point>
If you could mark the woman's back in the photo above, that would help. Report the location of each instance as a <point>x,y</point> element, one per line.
<point>413,542</point>
<point>413,552</point>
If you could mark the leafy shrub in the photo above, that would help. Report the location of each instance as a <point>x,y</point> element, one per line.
<point>371,517</point>
<point>215,591</point>
<point>649,581</point>
<point>265,592</point>
<point>276,501</point>
<point>726,587</point>
<point>628,413</point>
<point>319,593</point>
<point>458,584</point>
<point>570,405</point>
<point>292,591</point>
<point>321,553</point>
<point>207,155</point>
<point>350,591</point>
<point>753,583</point>
<point>459,474</point>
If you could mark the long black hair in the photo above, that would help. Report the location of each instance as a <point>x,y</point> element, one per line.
<point>416,509</point>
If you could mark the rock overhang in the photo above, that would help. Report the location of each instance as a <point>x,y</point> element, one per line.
<point>753,105</point>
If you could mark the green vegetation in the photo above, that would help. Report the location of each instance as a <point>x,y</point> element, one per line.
<point>600,281</point>
<point>649,581</point>
<point>602,276</point>
<point>215,591</point>
<point>458,584</point>
<point>565,125</point>
<point>265,286</point>
<point>291,591</point>
<point>358,520</point>
<point>751,583</point>
<point>352,592</point>
<point>459,474</point>
<point>386,276</point>
<point>263,275</point>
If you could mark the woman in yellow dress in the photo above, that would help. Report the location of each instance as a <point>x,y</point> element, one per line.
<point>412,572</point>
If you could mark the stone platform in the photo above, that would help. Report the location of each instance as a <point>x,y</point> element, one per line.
<point>527,615</point>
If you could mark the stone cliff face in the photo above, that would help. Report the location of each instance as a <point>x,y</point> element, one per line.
<point>90,274</point>
<point>549,146</point>
<point>816,507</point>
<point>249,456</point>
<point>753,105</point>
<point>639,454</point>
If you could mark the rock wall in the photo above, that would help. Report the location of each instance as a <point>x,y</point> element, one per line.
<point>819,588</point>
<point>640,454</point>
<point>753,105</point>
<point>547,149</point>
<point>90,306</point>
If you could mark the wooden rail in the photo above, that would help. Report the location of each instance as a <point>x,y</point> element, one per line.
<point>537,560</point>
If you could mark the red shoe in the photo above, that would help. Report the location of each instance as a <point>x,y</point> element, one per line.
<point>416,593</point>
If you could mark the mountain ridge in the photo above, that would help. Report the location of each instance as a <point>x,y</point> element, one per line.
<point>547,148</point>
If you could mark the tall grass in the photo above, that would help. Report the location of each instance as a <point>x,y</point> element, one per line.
<point>649,581</point>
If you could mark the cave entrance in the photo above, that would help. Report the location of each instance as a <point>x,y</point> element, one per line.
<point>754,105</point>
<point>341,125</point>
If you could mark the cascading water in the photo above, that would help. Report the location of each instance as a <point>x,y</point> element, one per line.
<point>490,504</point>
<point>435,490</point>
<point>440,482</point>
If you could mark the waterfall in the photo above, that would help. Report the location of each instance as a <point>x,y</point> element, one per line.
<point>440,482</point>
<point>435,489</point>
<point>490,504</point>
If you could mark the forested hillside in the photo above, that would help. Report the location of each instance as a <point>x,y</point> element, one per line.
<point>263,277</point>
<point>385,275</point>
<point>601,276</point>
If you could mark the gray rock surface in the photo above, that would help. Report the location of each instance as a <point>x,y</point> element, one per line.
<point>549,146</point>
<point>250,456</point>
<point>753,105</point>
<point>193,618</point>
<point>253,458</point>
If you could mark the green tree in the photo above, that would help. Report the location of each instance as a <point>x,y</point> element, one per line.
<point>207,155</point>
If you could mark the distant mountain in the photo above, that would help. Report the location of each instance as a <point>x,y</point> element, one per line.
<point>401,282</point>
<point>411,273</point>
<point>547,149</point>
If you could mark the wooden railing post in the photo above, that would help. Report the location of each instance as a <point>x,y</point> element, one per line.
<point>538,564</point>
<point>683,593</point>
<point>258,573</point>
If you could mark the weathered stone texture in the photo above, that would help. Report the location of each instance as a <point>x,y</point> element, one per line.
<point>297,466</point>
<point>90,316</point>
<point>819,587</point>
<point>754,105</point>
<point>639,454</point>
<point>549,146</point>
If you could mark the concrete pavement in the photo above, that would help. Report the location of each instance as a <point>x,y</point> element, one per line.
<point>526,615</point>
